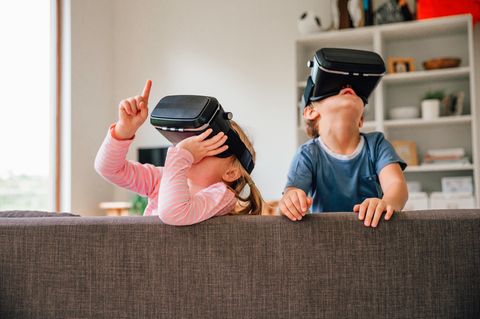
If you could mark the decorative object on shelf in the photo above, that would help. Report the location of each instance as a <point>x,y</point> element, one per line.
<point>347,14</point>
<point>427,9</point>
<point>341,18</point>
<point>441,63</point>
<point>457,184</point>
<point>438,95</point>
<point>309,22</point>
<point>407,150</point>
<point>138,205</point>
<point>368,12</point>
<point>393,11</point>
<point>400,65</point>
<point>452,104</point>
<point>430,109</point>
<point>431,104</point>
<point>404,112</point>
<point>355,8</point>
<point>446,156</point>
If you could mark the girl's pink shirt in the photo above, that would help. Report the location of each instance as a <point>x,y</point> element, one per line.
<point>169,195</point>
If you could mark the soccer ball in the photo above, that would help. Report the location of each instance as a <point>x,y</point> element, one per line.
<point>309,22</point>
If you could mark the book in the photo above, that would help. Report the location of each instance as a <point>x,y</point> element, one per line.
<point>459,152</point>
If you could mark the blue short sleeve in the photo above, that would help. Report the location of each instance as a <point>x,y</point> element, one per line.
<point>385,153</point>
<point>301,172</point>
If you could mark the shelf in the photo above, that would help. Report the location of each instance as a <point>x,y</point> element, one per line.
<point>416,76</point>
<point>446,120</point>
<point>439,168</point>
<point>401,30</point>
<point>426,28</point>
<point>421,40</point>
<point>339,37</point>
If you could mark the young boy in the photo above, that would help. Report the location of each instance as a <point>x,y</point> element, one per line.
<point>341,168</point>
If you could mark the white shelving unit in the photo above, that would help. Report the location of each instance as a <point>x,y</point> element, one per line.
<point>422,40</point>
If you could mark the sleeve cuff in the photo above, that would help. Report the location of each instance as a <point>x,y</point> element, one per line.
<point>181,152</point>
<point>112,134</point>
<point>116,143</point>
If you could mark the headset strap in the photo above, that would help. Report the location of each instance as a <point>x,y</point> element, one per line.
<point>237,147</point>
<point>308,91</point>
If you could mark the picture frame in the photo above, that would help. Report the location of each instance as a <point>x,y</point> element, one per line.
<point>407,150</point>
<point>400,65</point>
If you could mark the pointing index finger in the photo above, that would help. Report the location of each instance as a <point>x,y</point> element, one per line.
<point>146,90</point>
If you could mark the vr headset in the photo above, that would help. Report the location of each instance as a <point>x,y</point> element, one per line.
<point>180,116</point>
<point>334,68</point>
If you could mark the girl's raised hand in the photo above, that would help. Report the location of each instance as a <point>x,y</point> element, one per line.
<point>132,112</point>
<point>201,147</point>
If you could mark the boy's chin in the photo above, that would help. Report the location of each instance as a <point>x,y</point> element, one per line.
<point>349,100</point>
<point>352,105</point>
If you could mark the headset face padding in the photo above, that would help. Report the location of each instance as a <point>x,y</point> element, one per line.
<point>335,68</point>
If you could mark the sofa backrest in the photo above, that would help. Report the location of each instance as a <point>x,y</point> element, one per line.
<point>419,265</point>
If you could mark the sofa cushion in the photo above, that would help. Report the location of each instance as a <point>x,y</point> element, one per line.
<point>421,264</point>
<point>31,213</point>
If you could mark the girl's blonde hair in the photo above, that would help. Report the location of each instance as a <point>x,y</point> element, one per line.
<point>254,202</point>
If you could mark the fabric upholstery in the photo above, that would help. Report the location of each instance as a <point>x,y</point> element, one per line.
<point>421,264</point>
<point>31,213</point>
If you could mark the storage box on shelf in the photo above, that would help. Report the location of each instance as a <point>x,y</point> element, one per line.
<point>421,40</point>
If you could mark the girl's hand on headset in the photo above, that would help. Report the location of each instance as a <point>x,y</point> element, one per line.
<point>132,112</point>
<point>201,147</point>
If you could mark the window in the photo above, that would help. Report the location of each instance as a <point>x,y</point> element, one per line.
<point>26,126</point>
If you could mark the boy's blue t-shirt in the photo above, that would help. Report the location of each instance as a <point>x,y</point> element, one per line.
<point>337,184</point>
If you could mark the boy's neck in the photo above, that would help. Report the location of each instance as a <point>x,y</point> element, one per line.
<point>341,138</point>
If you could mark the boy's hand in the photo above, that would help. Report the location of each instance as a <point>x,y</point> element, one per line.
<point>294,203</point>
<point>371,211</point>
<point>201,147</point>
<point>132,112</point>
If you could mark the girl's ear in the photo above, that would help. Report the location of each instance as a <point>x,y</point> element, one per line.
<point>310,113</point>
<point>231,174</point>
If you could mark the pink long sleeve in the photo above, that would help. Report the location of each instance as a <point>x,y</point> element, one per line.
<point>111,164</point>
<point>165,185</point>
<point>177,205</point>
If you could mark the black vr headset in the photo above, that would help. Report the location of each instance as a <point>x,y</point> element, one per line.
<point>334,69</point>
<point>180,116</point>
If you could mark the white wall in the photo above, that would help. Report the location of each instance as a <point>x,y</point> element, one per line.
<point>90,86</point>
<point>241,52</point>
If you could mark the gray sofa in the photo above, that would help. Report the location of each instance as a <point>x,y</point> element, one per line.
<point>423,264</point>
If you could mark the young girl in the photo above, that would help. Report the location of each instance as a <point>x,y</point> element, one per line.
<point>342,169</point>
<point>194,185</point>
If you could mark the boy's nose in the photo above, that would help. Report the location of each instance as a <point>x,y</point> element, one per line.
<point>347,90</point>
